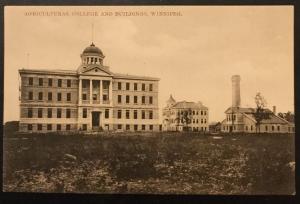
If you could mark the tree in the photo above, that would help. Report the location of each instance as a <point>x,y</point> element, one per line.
<point>260,112</point>
<point>184,118</point>
<point>289,116</point>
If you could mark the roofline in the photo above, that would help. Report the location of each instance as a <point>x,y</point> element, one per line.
<point>135,77</point>
<point>41,71</point>
<point>249,117</point>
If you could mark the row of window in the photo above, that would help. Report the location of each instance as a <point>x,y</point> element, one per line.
<point>49,127</point>
<point>135,114</point>
<point>135,86</point>
<point>50,82</point>
<point>229,117</point>
<point>95,97</point>
<point>95,84</point>
<point>50,96</point>
<point>194,121</point>
<point>135,99</point>
<point>202,112</point>
<point>199,129</point>
<point>135,127</point>
<point>49,113</point>
<point>252,128</point>
<point>84,113</point>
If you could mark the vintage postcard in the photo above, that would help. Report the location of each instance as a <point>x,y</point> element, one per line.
<point>149,99</point>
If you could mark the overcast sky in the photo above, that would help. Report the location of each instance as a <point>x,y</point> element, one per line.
<point>194,54</point>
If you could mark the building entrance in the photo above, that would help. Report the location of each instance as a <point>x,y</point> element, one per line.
<point>95,120</point>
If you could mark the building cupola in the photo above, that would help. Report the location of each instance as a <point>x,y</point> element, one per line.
<point>92,55</point>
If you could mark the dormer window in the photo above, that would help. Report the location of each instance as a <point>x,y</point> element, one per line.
<point>96,60</point>
<point>92,60</point>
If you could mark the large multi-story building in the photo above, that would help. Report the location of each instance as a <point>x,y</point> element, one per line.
<point>89,98</point>
<point>183,115</point>
<point>240,119</point>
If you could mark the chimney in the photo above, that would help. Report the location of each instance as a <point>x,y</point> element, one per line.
<point>274,110</point>
<point>236,98</point>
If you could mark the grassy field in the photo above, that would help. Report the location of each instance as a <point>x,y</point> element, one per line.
<point>185,163</point>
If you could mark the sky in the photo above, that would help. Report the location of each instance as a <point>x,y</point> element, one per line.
<point>194,53</point>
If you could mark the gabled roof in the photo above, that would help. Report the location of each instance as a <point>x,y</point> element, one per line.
<point>87,67</point>
<point>272,119</point>
<point>186,105</point>
<point>171,100</point>
<point>244,110</point>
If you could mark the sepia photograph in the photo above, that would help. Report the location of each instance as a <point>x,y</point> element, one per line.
<point>149,100</point>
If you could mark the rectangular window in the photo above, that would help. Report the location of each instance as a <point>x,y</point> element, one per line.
<point>119,126</point>
<point>135,86</point>
<point>59,82</point>
<point>84,126</point>
<point>127,114</point>
<point>58,96</point>
<point>40,127</point>
<point>143,87</point>
<point>143,127</point>
<point>29,127</point>
<point>84,97</point>
<point>30,95</point>
<point>150,127</point>
<point>127,86</point>
<point>135,99</point>
<point>266,128</point>
<point>68,113</point>
<point>49,82</point>
<point>127,99</point>
<point>40,96</point>
<point>40,82</point>
<point>150,100</point>
<point>95,97</point>
<point>58,113</point>
<point>135,127</point>
<point>105,97</point>
<point>278,128</point>
<point>143,99</point>
<point>68,127</point>
<point>150,114</point>
<point>135,114</point>
<point>49,96</point>
<point>85,83</point>
<point>49,115</point>
<point>119,86</point>
<point>127,127</point>
<point>106,113</point>
<point>58,127</point>
<point>30,81</point>
<point>68,96</point>
<point>49,127</point>
<point>29,114</point>
<point>84,113</point>
<point>119,113</point>
<point>143,114</point>
<point>40,113</point>
<point>119,99</point>
<point>69,83</point>
<point>150,87</point>
<point>202,114</point>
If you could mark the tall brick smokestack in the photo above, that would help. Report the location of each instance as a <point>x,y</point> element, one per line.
<point>236,97</point>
